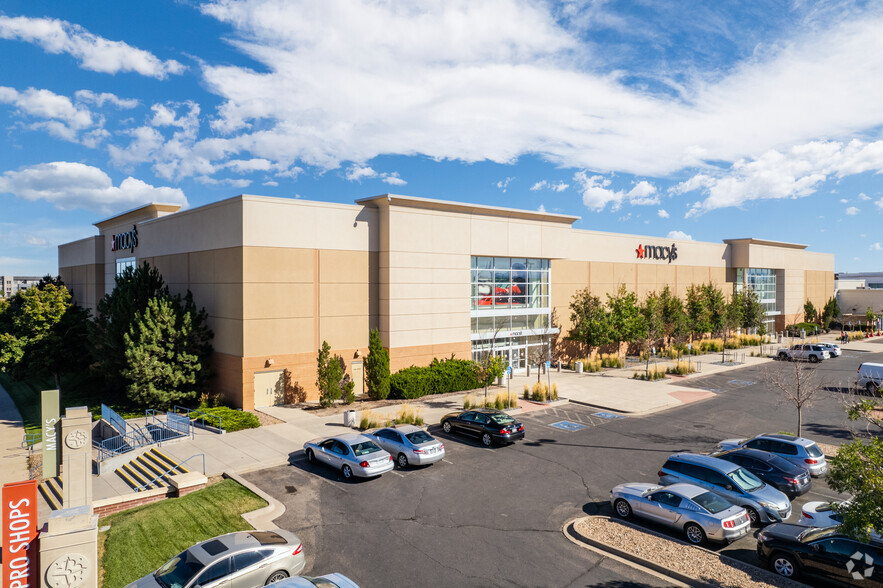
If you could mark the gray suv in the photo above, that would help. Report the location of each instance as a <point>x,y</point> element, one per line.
<point>738,486</point>
<point>801,452</point>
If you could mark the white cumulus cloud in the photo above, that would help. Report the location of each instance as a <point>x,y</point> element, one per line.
<point>679,235</point>
<point>99,98</point>
<point>793,173</point>
<point>70,185</point>
<point>93,52</point>
<point>875,247</point>
<point>852,211</point>
<point>662,213</point>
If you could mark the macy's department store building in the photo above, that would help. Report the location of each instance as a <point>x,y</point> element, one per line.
<point>278,276</point>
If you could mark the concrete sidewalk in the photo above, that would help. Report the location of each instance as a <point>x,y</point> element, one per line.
<point>14,464</point>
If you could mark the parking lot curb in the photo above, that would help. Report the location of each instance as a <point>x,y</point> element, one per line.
<point>679,579</point>
<point>658,568</point>
<point>262,518</point>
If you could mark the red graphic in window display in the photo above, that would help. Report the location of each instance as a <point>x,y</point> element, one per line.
<point>640,251</point>
<point>501,297</point>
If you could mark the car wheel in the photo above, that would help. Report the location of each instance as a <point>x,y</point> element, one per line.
<point>403,460</point>
<point>753,517</point>
<point>446,426</point>
<point>347,472</point>
<point>813,359</point>
<point>784,565</point>
<point>622,508</point>
<point>487,440</point>
<point>311,457</point>
<point>276,577</point>
<point>783,356</point>
<point>871,387</point>
<point>695,533</point>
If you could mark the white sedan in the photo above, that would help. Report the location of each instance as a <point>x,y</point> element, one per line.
<point>353,454</point>
<point>823,514</point>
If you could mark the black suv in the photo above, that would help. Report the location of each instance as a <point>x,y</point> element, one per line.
<point>780,473</point>
<point>793,550</point>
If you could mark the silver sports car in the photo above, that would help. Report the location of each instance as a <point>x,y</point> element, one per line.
<point>244,558</point>
<point>699,513</point>
<point>353,454</point>
<point>409,445</point>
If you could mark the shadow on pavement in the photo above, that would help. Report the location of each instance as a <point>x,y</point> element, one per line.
<point>298,460</point>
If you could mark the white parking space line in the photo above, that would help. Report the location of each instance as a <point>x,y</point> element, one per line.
<point>396,473</point>
<point>446,461</point>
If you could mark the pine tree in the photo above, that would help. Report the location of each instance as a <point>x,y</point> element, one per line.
<point>160,366</point>
<point>377,367</point>
<point>329,373</point>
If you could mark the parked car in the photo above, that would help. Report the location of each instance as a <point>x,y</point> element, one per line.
<point>326,581</point>
<point>489,425</point>
<point>811,352</point>
<point>409,445</point>
<point>735,484</point>
<point>699,513</point>
<point>352,453</point>
<point>244,558</point>
<point>824,514</point>
<point>791,479</point>
<point>833,349</point>
<point>802,452</point>
<point>870,377</point>
<point>792,551</point>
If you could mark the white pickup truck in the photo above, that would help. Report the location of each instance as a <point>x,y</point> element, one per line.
<point>810,352</point>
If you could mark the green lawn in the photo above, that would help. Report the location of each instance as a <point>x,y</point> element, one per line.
<point>142,539</point>
<point>74,392</point>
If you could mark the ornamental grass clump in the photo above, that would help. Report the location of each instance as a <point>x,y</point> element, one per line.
<point>540,392</point>
<point>407,415</point>
<point>611,360</point>
<point>681,368</point>
<point>653,373</point>
<point>526,393</point>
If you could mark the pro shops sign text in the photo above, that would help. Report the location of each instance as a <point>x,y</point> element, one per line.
<point>657,252</point>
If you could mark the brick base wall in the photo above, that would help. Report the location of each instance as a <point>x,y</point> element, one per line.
<point>138,499</point>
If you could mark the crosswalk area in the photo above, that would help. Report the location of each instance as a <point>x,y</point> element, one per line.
<point>718,383</point>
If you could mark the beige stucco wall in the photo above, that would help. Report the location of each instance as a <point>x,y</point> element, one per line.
<point>279,276</point>
<point>81,267</point>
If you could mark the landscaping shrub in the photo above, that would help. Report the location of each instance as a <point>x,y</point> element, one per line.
<point>405,415</point>
<point>611,360</point>
<point>795,329</point>
<point>441,376</point>
<point>229,419</point>
<point>654,373</point>
<point>682,368</point>
<point>554,392</point>
<point>526,394</point>
<point>501,401</point>
<point>540,392</point>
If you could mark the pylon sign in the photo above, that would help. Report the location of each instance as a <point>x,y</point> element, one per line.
<point>19,534</point>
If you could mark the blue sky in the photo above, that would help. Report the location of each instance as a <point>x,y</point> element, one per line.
<point>659,118</point>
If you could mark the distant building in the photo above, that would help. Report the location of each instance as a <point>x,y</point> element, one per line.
<point>12,284</point>
<point>858,292</point>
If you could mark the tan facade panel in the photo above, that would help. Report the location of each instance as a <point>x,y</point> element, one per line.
<point>278,335</point>
<point>286,300</point>
<point>278,264</point>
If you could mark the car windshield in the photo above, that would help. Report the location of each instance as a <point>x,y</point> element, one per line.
<point>745,480</point>
<point>364,448</point>
<point>178,571</point>
<point>502,419</point>
<point>814,451</point>
<point>321,582</point>
<point>418,437</point>
<point>711,502</point>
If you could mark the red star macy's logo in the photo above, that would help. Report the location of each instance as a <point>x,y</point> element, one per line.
<point>640,251</point>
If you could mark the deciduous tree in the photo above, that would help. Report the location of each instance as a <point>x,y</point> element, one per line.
<point>797,384</point>
<point>626,322</point>
<point>589,320</point>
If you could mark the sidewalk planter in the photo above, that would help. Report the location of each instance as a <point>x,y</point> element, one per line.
<point>349,418</point>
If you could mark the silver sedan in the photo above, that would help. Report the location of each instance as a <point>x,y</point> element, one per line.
<point>699,513</point>
<point>353,454</point>
<point>409,445</point>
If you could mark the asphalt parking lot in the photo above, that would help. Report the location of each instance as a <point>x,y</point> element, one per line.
<point>493,517</point>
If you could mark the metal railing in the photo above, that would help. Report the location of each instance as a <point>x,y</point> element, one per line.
<point>29,440</point>
<point>170,470</point>
<point>111,416</point>
<point>192,415</point>
<point>155,431</point>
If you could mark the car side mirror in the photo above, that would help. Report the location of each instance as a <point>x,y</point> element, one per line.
<point>729,487</point>
<point>817,547</point>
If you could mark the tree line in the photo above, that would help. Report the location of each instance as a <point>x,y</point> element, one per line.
<point>143,348</point>
<point>661,316</point>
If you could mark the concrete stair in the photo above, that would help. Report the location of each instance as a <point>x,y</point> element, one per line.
<point>52,491</point>
<point>149,471</point>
